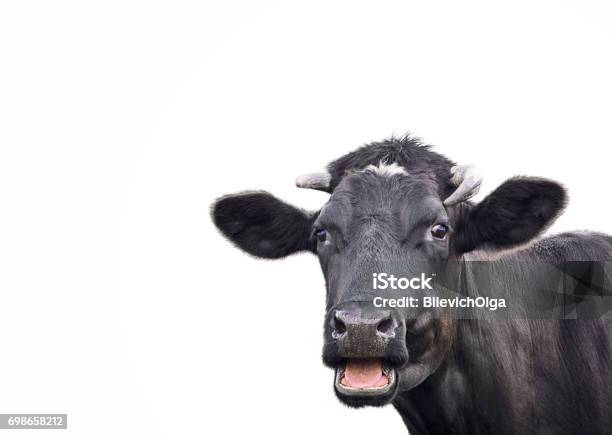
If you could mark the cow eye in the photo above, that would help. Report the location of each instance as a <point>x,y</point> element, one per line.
<point>321,235</point>
<point>439,231</point>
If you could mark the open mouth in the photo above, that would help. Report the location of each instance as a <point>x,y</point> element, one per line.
<point>368,377</point>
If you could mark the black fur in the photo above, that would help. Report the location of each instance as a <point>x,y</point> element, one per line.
<point>407,151</point>
<point>263,225</point>
<point>516,212</point>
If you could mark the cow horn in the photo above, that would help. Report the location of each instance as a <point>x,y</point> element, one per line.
<point>467,179</point>
<point>314,180</point>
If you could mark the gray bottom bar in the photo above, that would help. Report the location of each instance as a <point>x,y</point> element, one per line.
<point>33,421</point>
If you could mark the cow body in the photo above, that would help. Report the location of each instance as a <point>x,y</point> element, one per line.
<point>394,204</point>
<point>522,376</point>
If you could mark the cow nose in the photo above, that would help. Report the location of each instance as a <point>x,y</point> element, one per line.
<point>383,325</point>
<point>358,323</point>
<point>357,330</point>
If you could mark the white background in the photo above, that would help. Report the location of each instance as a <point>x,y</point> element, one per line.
<point>121,121</point>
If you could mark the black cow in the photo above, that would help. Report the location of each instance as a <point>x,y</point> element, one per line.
<point>398,205</point>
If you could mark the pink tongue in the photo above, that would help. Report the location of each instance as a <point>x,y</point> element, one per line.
<point>364,373</point>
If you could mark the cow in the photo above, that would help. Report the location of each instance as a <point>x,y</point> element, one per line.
<point>395,204</point>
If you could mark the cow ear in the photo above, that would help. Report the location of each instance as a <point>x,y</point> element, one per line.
<point>514,213</point>
<point>263,225</point>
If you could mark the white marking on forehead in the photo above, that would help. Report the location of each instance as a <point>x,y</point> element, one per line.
<point>386,169</point>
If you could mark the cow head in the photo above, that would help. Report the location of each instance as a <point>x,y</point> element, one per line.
<point>385,216</point>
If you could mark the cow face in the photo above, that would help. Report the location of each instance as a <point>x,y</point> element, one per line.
<point>385,219</point>
<point>380,220</point>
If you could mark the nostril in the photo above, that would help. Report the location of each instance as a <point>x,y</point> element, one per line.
<point>338,327</point>
<point>386,326</point>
